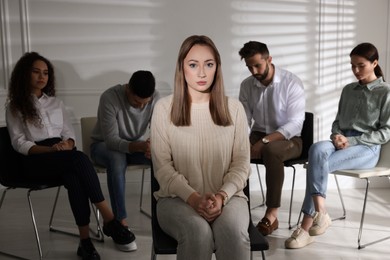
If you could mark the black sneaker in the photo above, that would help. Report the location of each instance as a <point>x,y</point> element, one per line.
<point>124,239</point>
<point>87,251</point>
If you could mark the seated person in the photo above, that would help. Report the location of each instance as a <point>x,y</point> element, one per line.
<point>274,100</point>
<point>361,126</point>
<point>41,131</point>
<point>123,118</point>
<point>200,153</point>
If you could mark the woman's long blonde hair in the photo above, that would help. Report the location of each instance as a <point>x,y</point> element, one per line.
<point>181,105</point>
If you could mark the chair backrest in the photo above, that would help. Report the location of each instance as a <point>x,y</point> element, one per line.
<point>9,158</point>
<point>87,125</point>
<point>307,134</point>
<point>384,159</point>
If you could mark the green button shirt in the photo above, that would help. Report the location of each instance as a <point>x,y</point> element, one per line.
<point>364,108</point>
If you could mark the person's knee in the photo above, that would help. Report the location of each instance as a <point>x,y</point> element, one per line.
<point>273,152</point>
<point>234,221</point>
<point>232,228</point>
<point>82,156</point>
<point>116,162</point>
<point>322,147</point>
<point>197,233</point>
<point>315,149</point>
<point>231,231</point>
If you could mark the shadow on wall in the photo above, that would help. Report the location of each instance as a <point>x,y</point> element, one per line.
<point>82,96</point>
<point>171,30</point>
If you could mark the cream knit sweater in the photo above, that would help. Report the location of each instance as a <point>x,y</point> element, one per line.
<point>202,157</point>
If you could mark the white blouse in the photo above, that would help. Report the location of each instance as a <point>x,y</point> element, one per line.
<point>55,123</point>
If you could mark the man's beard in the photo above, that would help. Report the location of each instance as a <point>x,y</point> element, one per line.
<point>261,77</point>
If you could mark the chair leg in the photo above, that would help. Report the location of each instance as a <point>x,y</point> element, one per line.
<point>362,221</point>
<point>363,214</point>
<point>291,199</point>
<point>261,188</point>
<point>263,255</point>
<point>98,234</point>
<point>54,209</point>
<point>3,196</point>
<point>341,199</point>
<point>34,224</point>
<point>1,204</point>
<point>142,196</point>
<point>299,218</point>
<point>153,253</point>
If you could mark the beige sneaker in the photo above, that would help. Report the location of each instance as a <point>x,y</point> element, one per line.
<point>321,222</point>
<point>299,238</point>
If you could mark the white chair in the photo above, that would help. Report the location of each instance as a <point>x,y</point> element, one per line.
<point>382,169</point>
<point>87,125</point>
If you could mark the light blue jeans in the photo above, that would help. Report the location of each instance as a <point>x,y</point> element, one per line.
<point>197,239</point>
<point>116,164</point>
<point>324,158</point>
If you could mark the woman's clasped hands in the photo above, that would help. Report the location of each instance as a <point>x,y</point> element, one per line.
<point>340,141</point>
<point>208,205</point>
<point>64,145</point>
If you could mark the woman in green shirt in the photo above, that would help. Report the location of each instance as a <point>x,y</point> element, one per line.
<point>362,124</point>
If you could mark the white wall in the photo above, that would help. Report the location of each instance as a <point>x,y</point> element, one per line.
<point>95,44</point>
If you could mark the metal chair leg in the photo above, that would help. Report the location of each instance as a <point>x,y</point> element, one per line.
<point>341,200</point>
<point>142,196</point>
<point>99,231</point>
<point>299,217</point>
<point>3,196</point>
<point>54,209</point>
<point>362,218</point>
<point>360,246</point>
<point>291,199</point>
<point>98,234</point>
<point>1,204</point>
<point>261,188</point>
<point>262,255</point>
<point>153,253</point>
<point>34,224</point>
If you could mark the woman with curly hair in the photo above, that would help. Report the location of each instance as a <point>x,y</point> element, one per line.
<point>41,132</point>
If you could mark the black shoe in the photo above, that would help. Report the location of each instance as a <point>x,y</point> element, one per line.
<point>124,239</point>
<point>87,251</point>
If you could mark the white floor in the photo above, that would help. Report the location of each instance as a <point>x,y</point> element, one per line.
<point>339,242</point>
